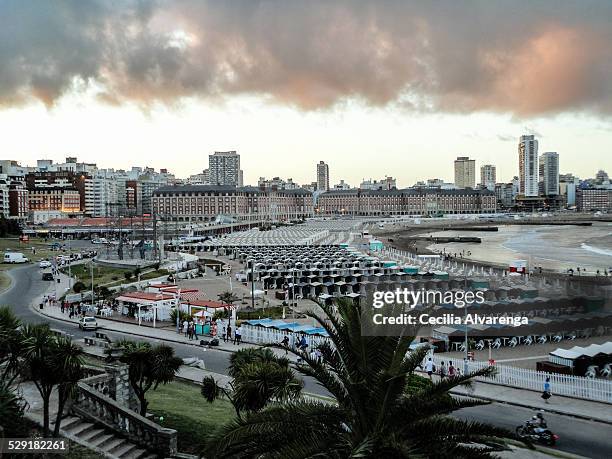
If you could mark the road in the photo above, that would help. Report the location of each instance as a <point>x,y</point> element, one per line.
<point>586,438</point>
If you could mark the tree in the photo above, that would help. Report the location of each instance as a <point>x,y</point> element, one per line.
<point>148,367</point>
<point>227,298</point>
<point>67,363</point>
<point>38,365</point>
<point>78,287</point>
<point>379,412</point>
<point>11,346</point>
<point>259,378</point>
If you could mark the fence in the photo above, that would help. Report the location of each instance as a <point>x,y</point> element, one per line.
<point>570,386</point>
<point>262,335</point>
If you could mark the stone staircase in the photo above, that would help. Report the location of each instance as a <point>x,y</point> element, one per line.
<point>102,440</point>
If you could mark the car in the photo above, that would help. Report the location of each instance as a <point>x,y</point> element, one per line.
<point>47,276</point>
<point>88,323</point>
<point>44,264</point>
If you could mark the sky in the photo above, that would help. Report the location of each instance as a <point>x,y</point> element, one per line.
<point>396,88</point>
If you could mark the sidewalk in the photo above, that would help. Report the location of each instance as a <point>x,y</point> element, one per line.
<point>583,409</point>
<point>579,408</point>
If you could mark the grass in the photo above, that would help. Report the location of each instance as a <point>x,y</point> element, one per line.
<point>184,409</point>
<point>109,276</point>
<point>15,245</point>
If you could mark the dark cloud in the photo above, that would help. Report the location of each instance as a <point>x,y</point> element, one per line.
<point>526,59</point>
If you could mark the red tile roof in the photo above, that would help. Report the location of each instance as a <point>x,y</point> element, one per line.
<point>147,296</point>
<point>206,303</point>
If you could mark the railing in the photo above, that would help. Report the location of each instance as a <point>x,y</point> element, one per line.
<point>93,405</point>
<point>570,386</point>
<point>262,335</point>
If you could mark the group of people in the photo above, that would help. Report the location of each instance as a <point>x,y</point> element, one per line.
<point>190,329</point>
<point>443,371</point>
<point>226,333</point>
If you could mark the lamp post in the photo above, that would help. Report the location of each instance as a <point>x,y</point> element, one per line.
<point>465,358</point>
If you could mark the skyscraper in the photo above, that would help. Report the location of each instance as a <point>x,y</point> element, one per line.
<point>465,172</point>
<point>528,166</point>
<point>488,177</point>
<point>322,176</point>
<point>549,173</point>
<point>224,168</point>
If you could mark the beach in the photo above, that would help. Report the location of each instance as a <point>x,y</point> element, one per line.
<point>554,248</point>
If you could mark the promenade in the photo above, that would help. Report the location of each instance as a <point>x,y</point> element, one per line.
<point>579,408</point>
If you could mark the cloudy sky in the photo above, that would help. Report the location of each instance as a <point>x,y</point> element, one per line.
<point>374,88</point>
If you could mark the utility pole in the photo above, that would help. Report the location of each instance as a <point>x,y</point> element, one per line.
<point>92,282</point>
<point>253,284</point>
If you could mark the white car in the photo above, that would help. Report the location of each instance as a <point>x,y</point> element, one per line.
<point>44,264</point>
<point>88,323</point>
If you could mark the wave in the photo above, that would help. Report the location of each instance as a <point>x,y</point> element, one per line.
<point>596,249</point>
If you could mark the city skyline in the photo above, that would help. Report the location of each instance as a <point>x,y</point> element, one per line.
<point>199,77</point>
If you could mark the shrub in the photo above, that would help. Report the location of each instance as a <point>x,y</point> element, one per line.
<point>127,275</point>
<point>78,287</point>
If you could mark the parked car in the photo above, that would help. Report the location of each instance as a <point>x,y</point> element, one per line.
<point>47,276</point>
<point>15,257</point>
<point>88,323</point>
<point>44,264</point>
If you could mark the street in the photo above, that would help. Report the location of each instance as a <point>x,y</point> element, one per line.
<point>586,438</point>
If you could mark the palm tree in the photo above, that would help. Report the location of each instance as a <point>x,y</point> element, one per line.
<point>227,298</point>
<point>67,360</point>
<point>11,346</point>
<point>38,366</point>
<point>379,410</point>
<point>260,377</point>
<point>148,367</point>
<point>11,411</point>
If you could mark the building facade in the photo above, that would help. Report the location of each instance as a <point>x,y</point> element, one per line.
<point>193,203</point>
<point>224,168</point>
<point>594,199</point>
<point>322,176</point>
<point>549,173</point>
<point>488,177</point>
<point>465,172</point>
<point>528,166</point>
<point>410,201</point>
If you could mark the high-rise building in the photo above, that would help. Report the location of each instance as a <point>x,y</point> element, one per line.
<point>465,172</point>
<point>224,168</point>
<point>488,177</point>
<point>322,176</point>
<point>528,166</point>
<point>549,173</point>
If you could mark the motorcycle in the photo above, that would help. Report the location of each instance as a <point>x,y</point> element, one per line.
<point>545,436</point>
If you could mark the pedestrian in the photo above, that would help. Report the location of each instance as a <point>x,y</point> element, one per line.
<point>285,343</point>
<point>185,327</point>
<point>429,367</point>
<point>195,330</point>
<point>546,394</point>
<point>442,370</point>
<point>224,334</point>
<point>451,370</point>
<point>229,333</point>
<point>238,335</point>
<point>190,330</point>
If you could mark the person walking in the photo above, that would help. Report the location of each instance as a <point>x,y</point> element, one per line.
<point>546,394</point>
<point>195,329</point>
<point>229,333</point>
<point>190,330</point>
<point>451,370</point>
<point>224,334</point>
<point>185,327</point>
<point>238,335</point>
<point>429,367</point>
<point>442,370</point>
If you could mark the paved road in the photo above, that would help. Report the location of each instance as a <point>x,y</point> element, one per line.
<point>586,438</point>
